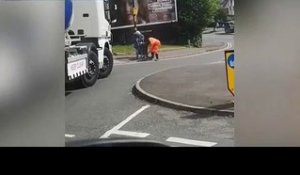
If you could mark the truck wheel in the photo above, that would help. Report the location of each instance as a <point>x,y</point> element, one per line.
<point>108,63</point>
<point>90,78</point>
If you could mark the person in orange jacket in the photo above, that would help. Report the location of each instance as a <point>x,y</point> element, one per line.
<point>154,46</point>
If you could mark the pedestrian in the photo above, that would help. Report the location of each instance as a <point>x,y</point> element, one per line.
<point>139,44</point>
<point>154,46</point>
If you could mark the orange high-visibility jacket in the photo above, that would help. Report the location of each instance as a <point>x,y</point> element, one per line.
<point>154,45</point>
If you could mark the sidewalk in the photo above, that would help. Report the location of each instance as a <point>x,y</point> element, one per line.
<point>184,51</point>
<point>192,88</point>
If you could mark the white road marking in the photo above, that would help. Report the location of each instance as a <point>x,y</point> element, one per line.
<point>69,136</point>
<point>229,46</point>
<point>191,142</point>
<point>131,134</point>
<point>217,62</point>
<point>120,125</point>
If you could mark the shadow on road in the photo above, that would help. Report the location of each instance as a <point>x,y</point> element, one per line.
<point>72,87</point>
<point>209,32</point>
<point>223,106</point>
<point>229,34</point>
<point>67,93</point>
<point>204,115</point>
<point>196,116</point>
<point>212,113</point>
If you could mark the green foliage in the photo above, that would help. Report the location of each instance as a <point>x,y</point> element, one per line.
<point>125,50</point>
<point>194,16</point>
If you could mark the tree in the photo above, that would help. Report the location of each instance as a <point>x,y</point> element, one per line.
<point>221,15</point>
<point>194,16</point>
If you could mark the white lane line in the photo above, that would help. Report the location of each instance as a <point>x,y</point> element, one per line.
<point>69,136</point>
<point>229,46</point>
<point>120,125</point>
<point>131,134</point>
<point>217,62</point>
<point>191,142</point>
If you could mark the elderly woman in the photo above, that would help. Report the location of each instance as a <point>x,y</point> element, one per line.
<point>139,45</point>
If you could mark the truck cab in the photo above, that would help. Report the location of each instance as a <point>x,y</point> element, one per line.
<point>229,24</point>
<point>229,27</point>
<point>88,41</point>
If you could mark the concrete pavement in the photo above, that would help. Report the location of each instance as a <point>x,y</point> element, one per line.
<point>200,88</point>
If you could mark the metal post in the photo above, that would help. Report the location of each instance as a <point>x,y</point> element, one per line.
<point>134,14</point>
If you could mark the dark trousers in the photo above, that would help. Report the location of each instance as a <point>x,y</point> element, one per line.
<point>152,55</point>
<point>140,50</point>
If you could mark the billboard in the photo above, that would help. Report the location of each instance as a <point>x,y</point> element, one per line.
<point>149,12</point>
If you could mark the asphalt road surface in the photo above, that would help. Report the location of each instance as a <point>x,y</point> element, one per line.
<point>109,109</point>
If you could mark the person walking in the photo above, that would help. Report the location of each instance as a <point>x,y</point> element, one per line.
<point>154,46</point>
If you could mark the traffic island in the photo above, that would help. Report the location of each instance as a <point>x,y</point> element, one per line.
<point>199,89</point>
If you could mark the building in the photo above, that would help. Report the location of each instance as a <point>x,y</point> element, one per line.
<point>228,5</point>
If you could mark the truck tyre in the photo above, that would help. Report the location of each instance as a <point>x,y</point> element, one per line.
<point>90,78</point>
<point>108,63</point>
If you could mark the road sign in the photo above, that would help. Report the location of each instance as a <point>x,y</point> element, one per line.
<point>230,63</point>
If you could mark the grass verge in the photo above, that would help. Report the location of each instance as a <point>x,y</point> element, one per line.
<point>129,50</point>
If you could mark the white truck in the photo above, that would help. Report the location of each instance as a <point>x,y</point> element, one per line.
<point>88,51</point>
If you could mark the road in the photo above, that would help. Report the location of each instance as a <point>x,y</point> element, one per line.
<point>109,109</point>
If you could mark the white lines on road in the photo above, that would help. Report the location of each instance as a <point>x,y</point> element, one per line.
<point>217,62</point>
<point>191,142</point>
<point>131,134</point>
<point>120,125</point>
<point>69,136</point>
<point>116,131</point>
